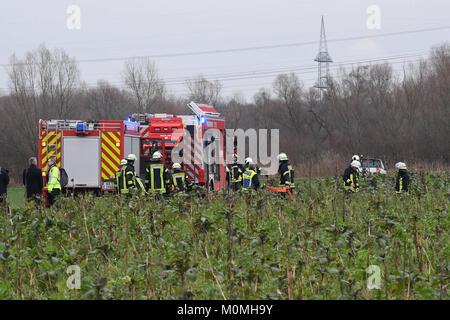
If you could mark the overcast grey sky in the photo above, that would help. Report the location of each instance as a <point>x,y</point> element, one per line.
<point>120,29</point>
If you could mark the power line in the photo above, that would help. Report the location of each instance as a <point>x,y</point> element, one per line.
<point>287,45</point>
<point>260,74</point>
<point>273,72</point>
<point>233,50</point>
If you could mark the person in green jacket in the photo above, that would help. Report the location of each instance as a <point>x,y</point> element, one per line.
<point>53,181</point>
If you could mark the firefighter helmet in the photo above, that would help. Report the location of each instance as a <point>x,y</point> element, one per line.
<point>355,163</point>
<point>123,161</point>
<point>131,157</point>
<point>248,160</point>
<point>400,165</point>
<point>355,157</point>
<point>157,155</point>
<point>282,156</point>
<point>176,165</point>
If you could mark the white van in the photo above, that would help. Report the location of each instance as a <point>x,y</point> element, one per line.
<point>372,166</point>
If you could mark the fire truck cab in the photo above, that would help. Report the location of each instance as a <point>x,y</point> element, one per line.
<point>164,132</point>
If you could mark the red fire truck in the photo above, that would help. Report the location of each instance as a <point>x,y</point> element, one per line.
<point>90,151</point>
<point>164,132</point>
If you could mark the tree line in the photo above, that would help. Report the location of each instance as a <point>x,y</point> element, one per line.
<point>369,109</point>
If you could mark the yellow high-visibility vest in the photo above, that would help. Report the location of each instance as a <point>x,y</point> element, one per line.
<point>53,179</point>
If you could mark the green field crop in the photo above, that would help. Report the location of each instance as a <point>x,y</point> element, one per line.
<point>16,197</point>
<point>235,246</point>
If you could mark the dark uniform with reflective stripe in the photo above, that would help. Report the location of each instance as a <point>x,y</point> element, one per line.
<point>402,181</point>
<point>126,180</point>
<point>250,180</point>
<point>117,178</point>
<point>286,174</point>
<point>157,177</point>
<point>351,176</point>
<point>180,181</point>
<point>236,176</point>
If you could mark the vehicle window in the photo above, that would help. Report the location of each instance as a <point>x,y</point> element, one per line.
<point>377,163</point>
<point>363,162</point>
<point>370,163</point>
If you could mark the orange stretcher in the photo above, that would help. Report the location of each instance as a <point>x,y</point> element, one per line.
<point>282,189</point>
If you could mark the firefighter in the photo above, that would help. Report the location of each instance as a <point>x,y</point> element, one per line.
<point>250,178</point>
<point>286,171</point>
<point>247,162</point>
<point>236,174</point>
<point>127,176</point>
<point>157,176</point>
<point>123,164</point>
<point>53,184</point>
<point>402,181</point>
<point>351,177</point>
<point>180,182</point>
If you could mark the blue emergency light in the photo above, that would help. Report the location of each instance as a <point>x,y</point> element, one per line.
<point>202,120</point>
<point>81,127</point>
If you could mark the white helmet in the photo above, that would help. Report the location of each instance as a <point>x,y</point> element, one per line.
<point>157,155</point>
<point>248,160</point>
<point>131,157</point>
<point>235,157</point>
<point>400,165</point>
<point>355,157</point>
<point>355,163</point>
<point>176,165</point>
<point>282,156</point>
<point>123,161</point>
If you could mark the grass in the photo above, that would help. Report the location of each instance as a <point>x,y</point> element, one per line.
<point>16,197</point>
<point>235,246</point>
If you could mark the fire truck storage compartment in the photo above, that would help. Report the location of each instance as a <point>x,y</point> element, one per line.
<point>81,160</point>
<point>132,145</point>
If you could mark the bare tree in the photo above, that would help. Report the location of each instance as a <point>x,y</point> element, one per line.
<point>289,90</point>
<point>263,102</point>
<point>42,85</point>
<point>204,91</point>
<point>142,78</point>
<point>105,101</point>
<point>233,110</point>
